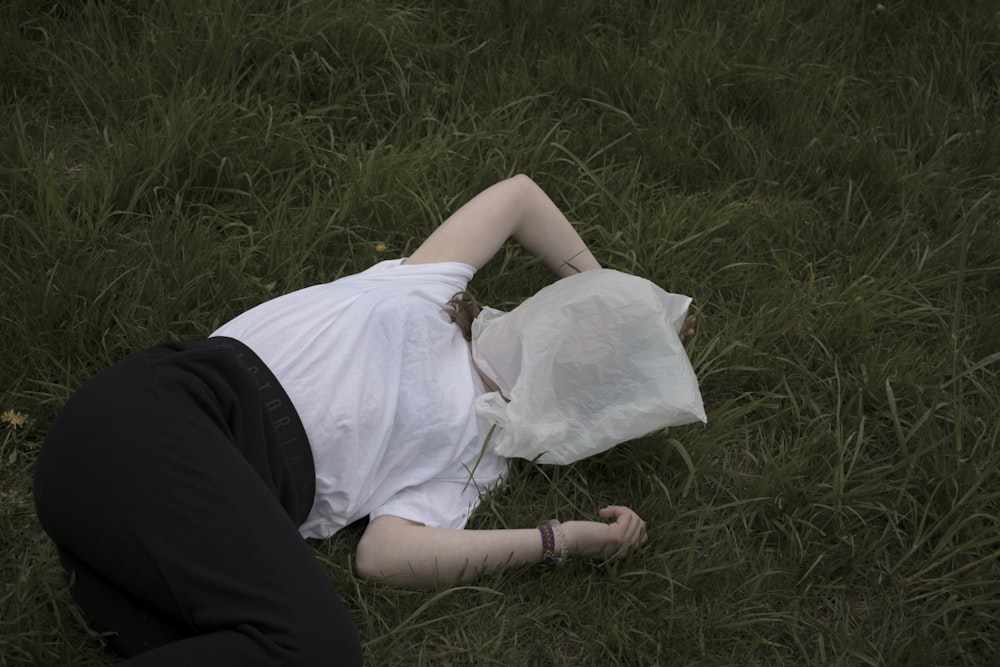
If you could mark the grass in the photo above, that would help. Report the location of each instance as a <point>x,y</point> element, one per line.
<point>821,177</point>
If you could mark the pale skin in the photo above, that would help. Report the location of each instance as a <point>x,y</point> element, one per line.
<point>401,552</point>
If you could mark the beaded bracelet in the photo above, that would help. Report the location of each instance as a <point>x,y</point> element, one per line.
<point>550,530</point>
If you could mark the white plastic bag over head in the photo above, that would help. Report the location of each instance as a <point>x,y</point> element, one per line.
<point>588,362</point>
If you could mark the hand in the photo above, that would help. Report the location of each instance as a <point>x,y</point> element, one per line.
<point>687,329</point>
<point>593,539</point>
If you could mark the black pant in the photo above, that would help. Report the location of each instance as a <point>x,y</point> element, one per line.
<point>167,488</point>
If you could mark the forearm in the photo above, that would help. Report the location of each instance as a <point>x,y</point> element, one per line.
<point>405,554</point>
<point>515,208</point>
<point>545,232</point>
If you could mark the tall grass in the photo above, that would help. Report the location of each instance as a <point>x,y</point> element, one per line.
<point>821,177</point>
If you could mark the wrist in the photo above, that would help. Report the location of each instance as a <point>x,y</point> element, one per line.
<point>555,546</point>
<point>570,531</point>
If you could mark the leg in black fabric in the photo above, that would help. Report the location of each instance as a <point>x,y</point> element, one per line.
<point>146,487</point>
<point>138,628</point>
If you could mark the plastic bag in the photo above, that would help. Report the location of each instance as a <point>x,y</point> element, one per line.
<point>588,362</point>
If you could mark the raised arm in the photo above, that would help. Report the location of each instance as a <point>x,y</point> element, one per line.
<point>515,208</point>
<point>403,553</point>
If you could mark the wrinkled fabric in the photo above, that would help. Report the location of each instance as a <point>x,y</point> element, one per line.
<point>591,361</point>
<point>384,384</point>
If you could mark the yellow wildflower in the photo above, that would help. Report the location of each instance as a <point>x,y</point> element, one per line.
<point>879,8</point>
<point>13,418</point>
<point>381,248</point>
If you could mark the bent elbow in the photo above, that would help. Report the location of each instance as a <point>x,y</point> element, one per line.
<point>524,182</point>
<point>372,563</point>
<point>385,551</point>
<point>366,562</point>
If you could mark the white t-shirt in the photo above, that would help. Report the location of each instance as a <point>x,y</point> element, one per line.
<point>384,384</point>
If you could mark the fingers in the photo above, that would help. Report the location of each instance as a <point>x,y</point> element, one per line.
<point>609,512</point>
<point>627,527</point>
<point>688,329</point>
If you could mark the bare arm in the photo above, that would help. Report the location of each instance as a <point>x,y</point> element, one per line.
<point>515,208</point>
<point>405,553</point>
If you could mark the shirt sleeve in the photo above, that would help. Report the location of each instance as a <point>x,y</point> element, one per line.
<point>435,503</point>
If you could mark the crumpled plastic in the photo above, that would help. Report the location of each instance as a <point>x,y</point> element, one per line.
<point>588,362</point>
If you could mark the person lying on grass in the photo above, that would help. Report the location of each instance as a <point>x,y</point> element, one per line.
<point>178,485</point>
